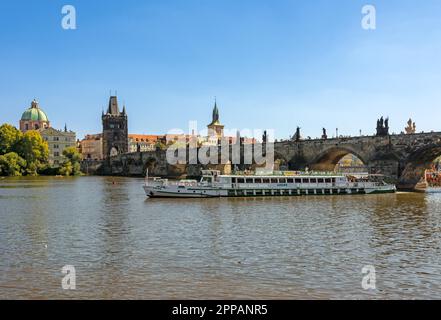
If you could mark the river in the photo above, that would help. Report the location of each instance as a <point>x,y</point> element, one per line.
<point>124,246</point>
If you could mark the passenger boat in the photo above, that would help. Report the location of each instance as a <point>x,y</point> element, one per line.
<point>431,183</point>
<point>213,184</point>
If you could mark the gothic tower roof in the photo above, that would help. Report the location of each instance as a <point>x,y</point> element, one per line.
<point>113,106</point>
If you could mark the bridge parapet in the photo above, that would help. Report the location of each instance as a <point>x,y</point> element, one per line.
<point>402,157</point>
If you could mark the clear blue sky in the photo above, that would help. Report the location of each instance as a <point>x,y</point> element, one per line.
<point>271,64</point>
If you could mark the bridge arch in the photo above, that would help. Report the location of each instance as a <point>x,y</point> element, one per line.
<point>329,158</point>
<point>149,164</point>
<point>417,162</point>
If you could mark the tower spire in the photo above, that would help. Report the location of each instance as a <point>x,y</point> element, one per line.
<point>215,111</point>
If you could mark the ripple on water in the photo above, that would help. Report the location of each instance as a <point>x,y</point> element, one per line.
<point>124,246</point>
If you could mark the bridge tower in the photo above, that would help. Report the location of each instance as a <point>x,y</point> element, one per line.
<point>115,130</point>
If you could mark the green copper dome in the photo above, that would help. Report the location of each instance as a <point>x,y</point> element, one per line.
<point>34,113</point>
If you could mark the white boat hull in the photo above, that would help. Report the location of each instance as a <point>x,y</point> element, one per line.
<point>213,185</point>
<point>171,192</point>
<point>196,192</point>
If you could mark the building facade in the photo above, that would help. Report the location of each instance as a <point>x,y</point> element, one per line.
<point>115,130</point>
<point>144,142</point>
<point>91,147</point>
<point>34,118</point>
<point>58,141</point>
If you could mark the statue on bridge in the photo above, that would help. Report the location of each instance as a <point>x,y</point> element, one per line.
<point>411,127</point>
<point>264,137</point>
<point>382,127</point>
<point>297,136</point>
<point>324,136</point>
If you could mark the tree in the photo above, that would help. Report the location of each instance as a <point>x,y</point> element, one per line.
<point>9,137</point>
<point>72,164</point>
<point>34,150</point>
<point>11,164</point>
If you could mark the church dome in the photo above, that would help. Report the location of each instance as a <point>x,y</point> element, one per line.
<point>34,113</point>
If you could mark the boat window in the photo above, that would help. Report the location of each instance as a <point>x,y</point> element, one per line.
<point>266,180</point>
<point>258,180</point>
<point>333,180</point>
<point>290,180</point>
<point>240,180</point>
<point>328,180</point>
<point>313,180</point>
<point>234,180</point>
<point>320,180</point>
<point>298,180</point>
<point>282,180</point>
<point>249,180</point>
<point>273,180</point>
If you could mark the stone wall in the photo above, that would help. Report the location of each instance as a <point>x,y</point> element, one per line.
<point>402,158</point>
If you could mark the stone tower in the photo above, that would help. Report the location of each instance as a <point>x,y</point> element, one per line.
<point>215,128</point>
<point>115,130</point>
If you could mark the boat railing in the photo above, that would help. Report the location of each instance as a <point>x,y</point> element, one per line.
<point>158,182</point>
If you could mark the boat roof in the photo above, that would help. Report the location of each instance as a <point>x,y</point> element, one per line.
<point>283,176</point>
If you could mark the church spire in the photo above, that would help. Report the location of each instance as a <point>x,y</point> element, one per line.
<point>215,112</point>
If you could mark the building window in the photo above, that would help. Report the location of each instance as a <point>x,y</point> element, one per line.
<point>56,146</point>
<point>26,126</point>
<point>56,154</point>
<point>56,139</point>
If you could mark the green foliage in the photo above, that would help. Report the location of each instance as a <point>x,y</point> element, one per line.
<point>11,164</point>
<point>9,137</point>
<point>34,150</point>
<point>72,154</point>
<point>21,153</point>
<point>160,145</point>
<point>66,169</point>
<point>72,164</point>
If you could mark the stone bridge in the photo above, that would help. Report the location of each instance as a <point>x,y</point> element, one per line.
<point>403,158</point>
